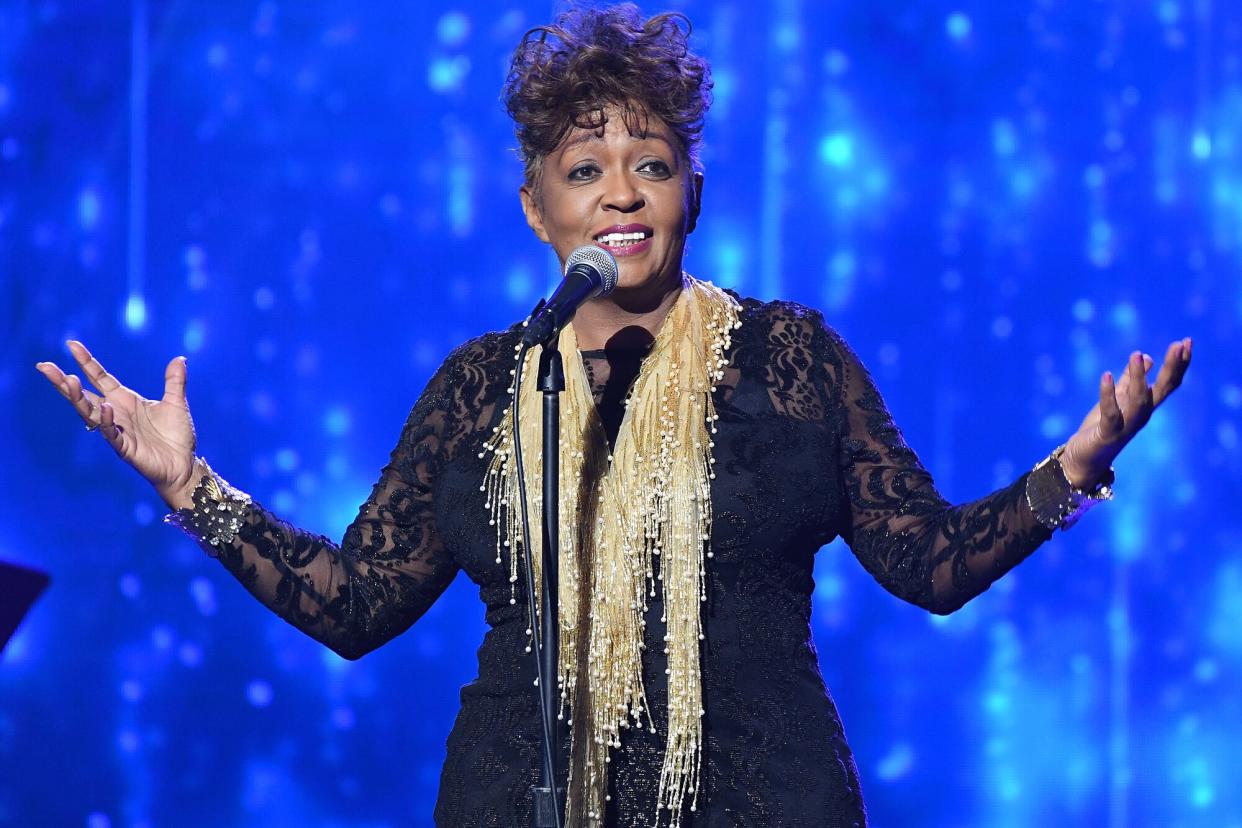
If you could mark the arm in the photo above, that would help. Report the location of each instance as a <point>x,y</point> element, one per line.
<point>919,546</point>
<point>388,569</point>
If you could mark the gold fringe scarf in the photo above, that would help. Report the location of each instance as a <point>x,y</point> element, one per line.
<point>631,523</point>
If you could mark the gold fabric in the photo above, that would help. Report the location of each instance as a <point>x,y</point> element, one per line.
<point>632,523</point>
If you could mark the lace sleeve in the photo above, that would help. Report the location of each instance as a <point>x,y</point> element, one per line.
<point>391,564</point>
<point>919,546</point>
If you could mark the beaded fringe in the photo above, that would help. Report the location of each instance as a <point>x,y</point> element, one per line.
<point>649,500</point>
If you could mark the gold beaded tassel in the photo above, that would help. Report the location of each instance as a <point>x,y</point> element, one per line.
<point>652,500</point>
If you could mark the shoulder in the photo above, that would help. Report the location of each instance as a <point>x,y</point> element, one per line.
<point>784,323</point>
<point>485,353</point>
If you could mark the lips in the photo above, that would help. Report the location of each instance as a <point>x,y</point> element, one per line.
<point>625,239</point>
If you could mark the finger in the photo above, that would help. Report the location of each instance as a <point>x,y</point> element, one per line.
<point>1138,392</point>
<point>1171,372</point>
<point>95,372</point>
<point>174,381</point>
<point>55,376</point>
<point>1111,419</point>
<point>84,402</point>
<point>109,428</point>
<point>1125,376</point>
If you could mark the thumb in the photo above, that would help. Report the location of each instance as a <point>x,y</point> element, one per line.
<point>174,381</point>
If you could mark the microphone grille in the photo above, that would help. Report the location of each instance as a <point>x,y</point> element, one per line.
<point>598,258</point>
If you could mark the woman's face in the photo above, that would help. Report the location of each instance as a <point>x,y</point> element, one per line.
<point>634,195</point>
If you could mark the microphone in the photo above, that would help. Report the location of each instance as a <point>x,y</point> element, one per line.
<point>589,271</point>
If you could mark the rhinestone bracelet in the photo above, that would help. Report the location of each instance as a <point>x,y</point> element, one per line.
<point>218,513</point>
<point>1054,500</point>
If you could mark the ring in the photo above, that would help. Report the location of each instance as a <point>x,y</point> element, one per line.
<point>94,427</point>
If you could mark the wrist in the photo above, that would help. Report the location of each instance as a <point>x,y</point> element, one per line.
<point>1085,476</point>
<point>181,495</point>
<point>216,512</point>
<point>1057,500</point>
<point>1081,478</point>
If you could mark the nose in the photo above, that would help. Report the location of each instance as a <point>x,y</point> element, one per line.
<point>623,195</point>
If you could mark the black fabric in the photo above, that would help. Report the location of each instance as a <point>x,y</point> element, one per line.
<point>806,451</point>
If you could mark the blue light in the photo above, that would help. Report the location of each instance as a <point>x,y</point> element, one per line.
<point>828,588</point>
<point>337,421</point>
<point>195,333</point>
<point>135,313</point>
<point>190,654</point>
<point>957,25</point>
<point>217,55</point>
<point>840,283</point>
<point>130,585</point>
<point>1054,426</point>
<point>287,459</point>
<point>836,62</point>
<point>1083,310</point>
<point>1201,145</point>
<point>453,28</point>
<point>875,182</point>
<point>127,741</point>
<point>837,149</point>
<point>1169,12</point>
<point>204,594</point>
<point>88,209</point>
<point>1125,317</point>
<point>447,74</point>
<point>259,693</point>
<point>897,763</point>
<point>161,637</point>
<point>517,283</point>
<point>1004,141</point>
<point>460,203</point>
<point>1100,243</point>
<point>725,85</point>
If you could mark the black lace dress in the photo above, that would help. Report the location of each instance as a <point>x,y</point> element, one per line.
<point>806,451</point>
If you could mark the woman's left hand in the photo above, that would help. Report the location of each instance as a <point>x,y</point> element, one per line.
<point>1121,412</point>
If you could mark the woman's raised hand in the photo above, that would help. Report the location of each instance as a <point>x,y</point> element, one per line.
<point>1123,409</point>
<point>155,437</point>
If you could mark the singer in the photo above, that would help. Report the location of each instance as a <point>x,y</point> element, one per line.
<point>712,443</point>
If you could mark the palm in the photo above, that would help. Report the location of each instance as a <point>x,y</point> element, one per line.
<point>1122,410</point>
<point>156,437</point>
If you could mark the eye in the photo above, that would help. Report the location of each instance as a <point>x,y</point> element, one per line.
<point>656,167</point>
<point>583,172</point>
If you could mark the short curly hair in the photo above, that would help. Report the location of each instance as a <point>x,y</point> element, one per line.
<point>601,57</point>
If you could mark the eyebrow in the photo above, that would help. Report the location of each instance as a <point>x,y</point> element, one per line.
<point>591,135</point>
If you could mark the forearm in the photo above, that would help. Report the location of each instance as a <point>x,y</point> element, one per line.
<point>352,597</point>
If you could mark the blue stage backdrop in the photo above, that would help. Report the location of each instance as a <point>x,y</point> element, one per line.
<point>992,202</point>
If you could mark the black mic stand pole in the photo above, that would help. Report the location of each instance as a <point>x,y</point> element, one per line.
<point>551,383</point>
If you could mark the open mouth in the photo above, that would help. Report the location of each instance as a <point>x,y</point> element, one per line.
<point>621,241</point>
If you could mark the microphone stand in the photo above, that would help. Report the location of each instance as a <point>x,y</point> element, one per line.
<point>550,804</point>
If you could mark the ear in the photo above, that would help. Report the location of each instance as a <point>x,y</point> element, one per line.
<point>696,200</point>
<point>534,218</point>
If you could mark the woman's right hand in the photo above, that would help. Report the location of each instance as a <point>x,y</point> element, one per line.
<point>155,437</point>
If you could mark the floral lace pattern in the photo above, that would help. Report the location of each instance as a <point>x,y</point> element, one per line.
<point>806,451</point>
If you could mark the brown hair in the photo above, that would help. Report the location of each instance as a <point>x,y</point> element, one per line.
<point>599,57</point>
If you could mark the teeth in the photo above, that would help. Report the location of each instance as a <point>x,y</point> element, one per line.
<point>620,238</point>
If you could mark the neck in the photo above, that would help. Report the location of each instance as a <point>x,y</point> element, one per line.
<point>625,317</point>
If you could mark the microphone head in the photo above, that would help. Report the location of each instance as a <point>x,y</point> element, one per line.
<point>599,260</point>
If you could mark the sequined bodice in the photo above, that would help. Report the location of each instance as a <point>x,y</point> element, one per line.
<point>806,451</point>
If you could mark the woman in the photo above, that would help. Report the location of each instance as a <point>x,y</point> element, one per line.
<point>713,443</point>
